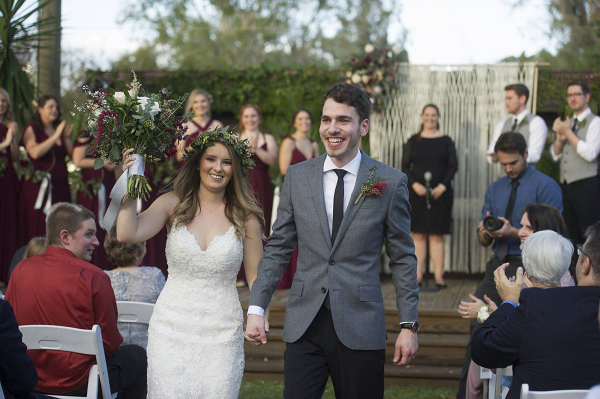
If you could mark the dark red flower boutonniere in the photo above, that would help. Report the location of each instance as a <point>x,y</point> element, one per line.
<point>373,187</point>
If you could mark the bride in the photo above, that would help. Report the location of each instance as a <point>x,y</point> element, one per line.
<point>195,337</point>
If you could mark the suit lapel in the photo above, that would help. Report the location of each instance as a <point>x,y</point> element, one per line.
<point>352,209</point>
<point>318,197</point>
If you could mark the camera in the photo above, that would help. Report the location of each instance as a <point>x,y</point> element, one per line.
<point>491,223</point>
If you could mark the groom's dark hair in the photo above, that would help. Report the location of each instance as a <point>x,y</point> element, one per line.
<point>345,93</point>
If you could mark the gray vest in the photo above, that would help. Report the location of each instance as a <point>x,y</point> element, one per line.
<point>522,127</point>
<point>572,167</point>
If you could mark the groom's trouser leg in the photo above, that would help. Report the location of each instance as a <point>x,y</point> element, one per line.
<point>305,367</point>
<point>356,374</point>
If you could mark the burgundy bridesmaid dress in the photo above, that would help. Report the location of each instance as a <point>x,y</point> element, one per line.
<point>260,183</point>
<point>156,246</point>
<point>9,207</point>
<point>32,222</point>
<point>191,137</point>
<point>108,179</point>
<point>288,275</point>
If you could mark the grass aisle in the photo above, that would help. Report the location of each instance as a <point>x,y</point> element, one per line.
<point>274,390</point>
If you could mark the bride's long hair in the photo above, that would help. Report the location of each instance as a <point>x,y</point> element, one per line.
<point>240,204</point>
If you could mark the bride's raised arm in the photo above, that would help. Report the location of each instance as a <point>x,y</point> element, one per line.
<point>133,228</point>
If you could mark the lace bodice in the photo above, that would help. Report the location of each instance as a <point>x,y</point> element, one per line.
<point>196,341</point>
<point>186,259</point>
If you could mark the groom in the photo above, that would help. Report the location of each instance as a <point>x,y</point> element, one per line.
<point>335,318</point>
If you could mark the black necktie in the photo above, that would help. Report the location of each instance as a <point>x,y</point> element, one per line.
<point>338,203</point>
<point>503,245</point>
<point>514,126</point>
<point>575,125</point>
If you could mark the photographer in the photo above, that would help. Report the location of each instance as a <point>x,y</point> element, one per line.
<point>505,200</point>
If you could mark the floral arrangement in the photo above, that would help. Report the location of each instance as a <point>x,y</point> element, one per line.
<point>374,71</point>
<point>89,188</point>
<point>148,123</point>
<point>373,187</point>
<point>483,313</point>
<point>26,170</point>
<point>224,136</point>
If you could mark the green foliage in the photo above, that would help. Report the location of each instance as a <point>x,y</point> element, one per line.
<point>18,37</point>
<point>552,90</point>
<point>274,389</point>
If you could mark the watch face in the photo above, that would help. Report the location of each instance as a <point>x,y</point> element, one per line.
<point>415,326</point>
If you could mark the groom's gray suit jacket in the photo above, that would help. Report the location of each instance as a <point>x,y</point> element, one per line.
<point>348,269</point>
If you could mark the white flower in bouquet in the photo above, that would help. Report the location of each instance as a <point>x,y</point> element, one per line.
<point>379,75</point>
<point>155,109</point>
<point>483,313</point>
<point>120,97</point>
<point>395,49</point>
<point>369,48</point>
<point>356,78</point>
<point>349,74</point>
<point>365,79</point>
<point>377,89</point>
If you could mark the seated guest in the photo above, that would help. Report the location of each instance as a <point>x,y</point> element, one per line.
<point>17,373</point>
<point>551,338</point>
<point>61,288</point>
<point>36,246</point>
<point>130,282</point>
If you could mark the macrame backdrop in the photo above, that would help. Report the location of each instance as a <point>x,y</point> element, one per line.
<point>471,102</point>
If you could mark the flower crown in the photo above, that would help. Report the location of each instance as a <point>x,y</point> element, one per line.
<point>223,136</point>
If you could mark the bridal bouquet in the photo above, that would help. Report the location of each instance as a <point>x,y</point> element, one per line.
<point>374,71</point>
<point>148,123</point>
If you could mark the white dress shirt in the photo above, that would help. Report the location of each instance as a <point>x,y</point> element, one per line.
<point>537,136</point>
<point>329,182</point>
<point>589,148</point>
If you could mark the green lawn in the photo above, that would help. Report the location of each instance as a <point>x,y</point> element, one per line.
<point>274,390</point>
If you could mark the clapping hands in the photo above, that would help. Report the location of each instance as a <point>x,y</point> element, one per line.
<point>508,289</point>
<point>468,310</point>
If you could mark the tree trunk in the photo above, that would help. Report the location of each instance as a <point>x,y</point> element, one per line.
<point>49,54</point>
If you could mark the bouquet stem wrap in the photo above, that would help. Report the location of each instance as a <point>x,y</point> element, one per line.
<point>131,183</point>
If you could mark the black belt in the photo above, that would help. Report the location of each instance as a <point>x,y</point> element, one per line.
<point>511,257</point>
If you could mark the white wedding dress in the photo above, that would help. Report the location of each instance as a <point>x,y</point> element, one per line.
<point>195,338</point>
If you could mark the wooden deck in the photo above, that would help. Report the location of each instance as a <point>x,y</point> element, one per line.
<point>443,337</point>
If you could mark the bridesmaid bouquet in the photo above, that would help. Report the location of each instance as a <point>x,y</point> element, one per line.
<point>148,123</point>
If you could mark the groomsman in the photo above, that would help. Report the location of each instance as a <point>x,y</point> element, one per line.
<point>576,148</point>
<point>532,127</point>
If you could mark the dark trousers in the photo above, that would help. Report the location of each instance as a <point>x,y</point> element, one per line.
<point>581,206</point>
<point>487,287</point>
<point>319,353</point>
<point>126,373</point>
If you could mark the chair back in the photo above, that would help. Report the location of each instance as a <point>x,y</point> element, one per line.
<point>68,339</point>
<point>134,312</point>
<point>562,394</point>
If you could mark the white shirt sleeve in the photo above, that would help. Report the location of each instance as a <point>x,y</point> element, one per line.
<point>590,148</point>
<point>257,310</point>
<point>497,133</point>
<point>554,157</point>
<point>537,138</point>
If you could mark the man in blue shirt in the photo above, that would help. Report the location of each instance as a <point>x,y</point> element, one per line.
<point>505,199</point>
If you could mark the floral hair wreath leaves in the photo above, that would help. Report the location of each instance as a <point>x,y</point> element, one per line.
<point>224,136</point>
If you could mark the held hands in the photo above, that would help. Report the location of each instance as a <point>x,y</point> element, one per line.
<point>509,290</point>
<point>406,347</point>
<point>257,330</point>
<point>420,189</point>
<point>468,310</point>
<point>438,191</point>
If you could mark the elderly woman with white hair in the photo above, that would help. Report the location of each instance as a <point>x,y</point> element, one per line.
<point>546,258</point>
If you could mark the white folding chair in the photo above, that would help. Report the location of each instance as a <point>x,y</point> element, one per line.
<point>563,394</point>
<point>86,342</point>
<point>134,312</point>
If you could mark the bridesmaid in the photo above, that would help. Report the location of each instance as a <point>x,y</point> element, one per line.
<point>296,148</point>
<point>93,179</point>
<point>199,101</point>
<point>264,149</point>
<point>47,141</point>
<point>9,196</point>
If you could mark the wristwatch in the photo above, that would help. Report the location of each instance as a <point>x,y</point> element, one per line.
<point>413,326</point>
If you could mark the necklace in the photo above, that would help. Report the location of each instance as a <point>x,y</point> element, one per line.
<point>211,210</point>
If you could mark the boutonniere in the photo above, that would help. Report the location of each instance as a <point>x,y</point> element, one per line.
<point>522,123</point>
<point>581,124</point>
<point>373,187</point>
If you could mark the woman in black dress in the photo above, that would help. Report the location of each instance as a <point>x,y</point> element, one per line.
<point>430,151</point>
